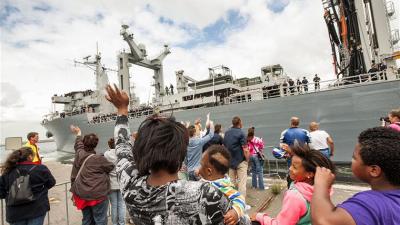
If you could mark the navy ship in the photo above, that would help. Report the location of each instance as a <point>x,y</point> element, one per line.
<point>366,88</point>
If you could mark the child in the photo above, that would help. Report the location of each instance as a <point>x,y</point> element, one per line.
<point>376,161</point>
<point>214,166</point>
<point>115,196</point>
<point>296,202</point>
<point>256,146</point>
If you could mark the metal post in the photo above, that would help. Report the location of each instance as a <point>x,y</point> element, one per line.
<point>66,202</point>
<point>213,86</point>
<point>2,213</point>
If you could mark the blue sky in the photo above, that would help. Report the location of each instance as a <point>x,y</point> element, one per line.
<point>214,33</point>
<point>40,40</point>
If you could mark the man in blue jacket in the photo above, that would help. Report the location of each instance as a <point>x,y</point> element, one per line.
<point>236,143</point>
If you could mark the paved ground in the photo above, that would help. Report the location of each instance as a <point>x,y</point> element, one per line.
<point>59,201</point>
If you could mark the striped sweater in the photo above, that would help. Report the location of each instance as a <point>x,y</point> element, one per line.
<point>228,188</point>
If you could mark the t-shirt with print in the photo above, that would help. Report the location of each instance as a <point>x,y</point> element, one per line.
<point>374,207</point>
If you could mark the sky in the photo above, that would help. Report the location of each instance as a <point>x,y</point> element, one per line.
<point>41,39</point>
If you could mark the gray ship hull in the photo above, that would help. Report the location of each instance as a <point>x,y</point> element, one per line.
<point>343,112</point>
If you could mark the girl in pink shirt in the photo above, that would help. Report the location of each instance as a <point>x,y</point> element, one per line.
<point>394,118</point>
<point>255,145</point>
<point>296,202</point>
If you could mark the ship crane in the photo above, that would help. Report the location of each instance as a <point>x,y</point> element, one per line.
<point>138,56</point>
<point>360,35</point>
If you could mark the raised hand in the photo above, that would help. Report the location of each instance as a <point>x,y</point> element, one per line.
<point>208,121</point>
<point>75,130</point>
<point>210,124</point>
<point>324,178</point>
<point>118,98</point>
<point>187,124</point>
<point>253,217</point>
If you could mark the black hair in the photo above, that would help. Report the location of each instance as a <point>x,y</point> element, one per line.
<point>217,128</point>
<point>381,146</point>
<point>90,141</point>
<point>311,159</point>
<point>161,144</point>
<point>212,153</point>
<point>15,157</point>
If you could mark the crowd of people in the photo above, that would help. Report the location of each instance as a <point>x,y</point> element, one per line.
<point>171,172</point>
<point>133,113</point>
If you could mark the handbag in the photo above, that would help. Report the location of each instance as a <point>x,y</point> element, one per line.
<point>260,154</point>
<point>79,172</point>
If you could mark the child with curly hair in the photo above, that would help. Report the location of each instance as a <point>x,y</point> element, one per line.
<point>376,161</point>
<point>296,202</point>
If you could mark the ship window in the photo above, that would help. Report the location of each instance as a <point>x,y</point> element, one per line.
<point>121,66</point>
<point>265,94</point>
<point>243,98</point>
<point>249,98</point>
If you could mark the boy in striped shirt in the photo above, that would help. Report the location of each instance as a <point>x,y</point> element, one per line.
<point>214,167</point>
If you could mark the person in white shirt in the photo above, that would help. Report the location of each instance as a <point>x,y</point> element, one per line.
<point>321,140</point>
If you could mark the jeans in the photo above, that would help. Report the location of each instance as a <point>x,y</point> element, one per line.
<point>257,172</point>
<point>239,177</point>
<point>34,221</point>
<point>117,207</point>
<point>95,215</point>
<point>326,152</point>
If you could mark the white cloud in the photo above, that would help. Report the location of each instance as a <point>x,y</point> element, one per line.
<point>296,38</point>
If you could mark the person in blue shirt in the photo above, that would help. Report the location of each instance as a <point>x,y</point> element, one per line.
<point>195,147</point>
<point>236,143</point>
<point>292,135</point>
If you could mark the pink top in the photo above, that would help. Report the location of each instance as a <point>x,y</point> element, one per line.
<point>256,142</point>
<point>395,126</point>
<point>293,206</point>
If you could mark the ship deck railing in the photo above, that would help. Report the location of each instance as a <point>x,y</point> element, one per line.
<point>313,87</point>
<point>112,117</point>
<point>62,211</point>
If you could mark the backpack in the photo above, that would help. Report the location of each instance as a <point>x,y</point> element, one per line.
<point>20,191</point>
